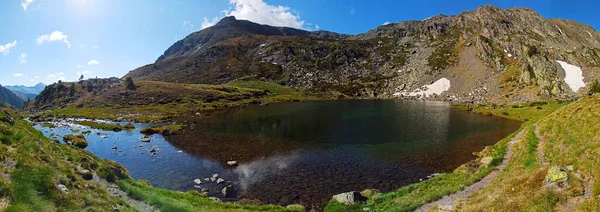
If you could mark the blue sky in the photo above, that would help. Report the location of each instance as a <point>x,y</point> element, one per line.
<point>50,40</point>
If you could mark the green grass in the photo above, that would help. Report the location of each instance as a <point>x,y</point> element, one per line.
<point>105,126</point>
<point>166,129</point>
<point>166,200</point>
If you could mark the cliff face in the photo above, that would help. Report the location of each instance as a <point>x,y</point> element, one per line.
<point>486,55</point>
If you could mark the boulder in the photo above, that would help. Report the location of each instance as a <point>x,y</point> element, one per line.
<point>198,181</point>
<point>556,177</point>
<point>232,162</point>
<point>214,199</point>
<point>486,161</point>
<point>62,188</point>
<point>8,119</point>
<point>145,139</point>
<point>220,180</point>
<point>349,197</point>
<point>227,191</point>
<point>86,174</point>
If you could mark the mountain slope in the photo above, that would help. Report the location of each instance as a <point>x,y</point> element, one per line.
<point>36,89</point>
<point>24,96</point>
<point>486,55</point>
<point>9,97</point>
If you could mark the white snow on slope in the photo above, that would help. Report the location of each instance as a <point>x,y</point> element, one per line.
<point>438,87</point>
<point>573,76</point>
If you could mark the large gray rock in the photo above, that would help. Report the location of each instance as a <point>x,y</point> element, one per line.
<point>349,197</point>
<point>62,188</point>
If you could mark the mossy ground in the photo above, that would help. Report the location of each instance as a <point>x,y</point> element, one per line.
<point>31,166</point>
<point>166,129</point>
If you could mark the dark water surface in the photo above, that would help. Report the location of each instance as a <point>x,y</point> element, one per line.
<point>306,152</point>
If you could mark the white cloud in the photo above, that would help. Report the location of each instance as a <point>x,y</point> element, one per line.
<point>23,59</point>
<point>37,77</point>
<point>317,27</point>
<point>54,36</point>
<point>185,23</point>
<point>50,78</point>
<point>207,23</point>
<point>93,62</point>
<point>386,23</point>
<point>95,46</point>
<point>17,75</point>
<point>260,12</point>
<point>81,45</point>
<point>80,66</point>
<point>352,11</point>
<point>26,3</point>
<point>6,48</point>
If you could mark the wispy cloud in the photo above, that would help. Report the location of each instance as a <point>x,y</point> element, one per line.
<point>260,12</point>
<point>80,66</point>
<point>209,22</point>
<point>17,75</point>
<point>352,11</point>
<point>317,27</point>
<point>23,59</point>
<point>50,78</point>
<point>54,36</point>
<point>93,62</point>
<point>6,48</point>
<point>95,46</point>
<point>386,23</point>
<point>25,4</point>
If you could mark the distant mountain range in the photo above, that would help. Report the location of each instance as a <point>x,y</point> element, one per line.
<point>17,95</point>
<point>10,98</point>
<point>36,89</point>
<point>486,55</point>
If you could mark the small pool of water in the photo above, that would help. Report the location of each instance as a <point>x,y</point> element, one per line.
<point>304,152</point>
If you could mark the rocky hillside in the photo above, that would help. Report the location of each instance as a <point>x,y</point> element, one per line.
<point>486,55</point>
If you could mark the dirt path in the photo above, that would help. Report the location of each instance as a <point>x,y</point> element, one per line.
<point>449,202</point>
<point>114,191</point>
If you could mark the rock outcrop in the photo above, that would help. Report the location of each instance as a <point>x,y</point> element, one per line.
<point>489,55</point>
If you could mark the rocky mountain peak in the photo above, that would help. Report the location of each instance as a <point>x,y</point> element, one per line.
<point>226,21</point>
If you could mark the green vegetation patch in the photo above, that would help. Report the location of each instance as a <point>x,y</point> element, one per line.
<point>165,130</point>
<point>77,140</point>
<point>106,126</point>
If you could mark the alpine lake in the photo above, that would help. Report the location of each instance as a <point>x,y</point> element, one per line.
<point>300,152</point>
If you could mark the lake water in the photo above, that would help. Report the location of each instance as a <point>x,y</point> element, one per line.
<point>305,152</point>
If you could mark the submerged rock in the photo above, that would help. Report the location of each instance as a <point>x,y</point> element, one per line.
<point>227,191</point>
<point>349,197</point>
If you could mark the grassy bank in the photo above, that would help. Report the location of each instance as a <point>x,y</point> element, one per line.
<point>567,137</point>
<point>411,197</point>
<point>32,168</point>
<point>106,126</point>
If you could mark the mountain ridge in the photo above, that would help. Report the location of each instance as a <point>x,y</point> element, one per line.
<point>488,54</point>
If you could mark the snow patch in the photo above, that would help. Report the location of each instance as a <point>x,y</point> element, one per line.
<point>438,87</point>
<point>573,76</point>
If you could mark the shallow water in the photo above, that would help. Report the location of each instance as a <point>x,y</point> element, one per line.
<point>306,152</point>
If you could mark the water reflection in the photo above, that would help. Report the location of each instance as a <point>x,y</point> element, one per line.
<point>305,152</point>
